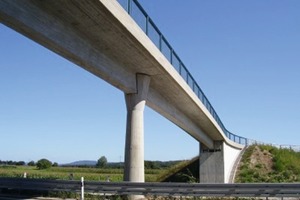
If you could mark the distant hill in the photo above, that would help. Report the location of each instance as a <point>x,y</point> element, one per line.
<point>92,163</point>
<point>81,163</point>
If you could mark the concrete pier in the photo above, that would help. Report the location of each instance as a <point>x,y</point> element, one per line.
<point>134,147</point>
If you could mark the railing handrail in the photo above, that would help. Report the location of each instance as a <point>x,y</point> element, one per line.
<point>128,6</point>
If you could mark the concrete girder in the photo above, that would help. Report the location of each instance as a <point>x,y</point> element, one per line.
<point>176,116</point>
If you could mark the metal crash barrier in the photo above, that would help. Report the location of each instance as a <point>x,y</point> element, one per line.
<point>158,189</point>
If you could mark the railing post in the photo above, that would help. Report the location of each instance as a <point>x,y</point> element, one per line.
<point>82,188</point>
<point>171,57</point>
<point>160,42</point>
<point>147,26</point>
<point>129,7</point>
<point>180,66</point>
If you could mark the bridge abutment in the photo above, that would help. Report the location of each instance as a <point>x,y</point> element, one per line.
<point>134,146</point>
<point>211,163</point>
<point>217,164</point>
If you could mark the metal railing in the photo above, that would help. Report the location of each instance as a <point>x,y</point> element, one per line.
<point>136,11</point>
<point>160,189</point>
<point>295,148</point>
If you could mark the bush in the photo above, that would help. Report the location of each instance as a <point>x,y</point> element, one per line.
<point>20,163</point>
<point>102,162</point>
<point>31,163</point>
<point>43,164</point>
<point>55,164</point>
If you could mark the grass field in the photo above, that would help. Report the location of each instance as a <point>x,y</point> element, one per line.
<point>63,173</point>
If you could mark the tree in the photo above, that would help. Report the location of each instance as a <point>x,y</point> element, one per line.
<point>31,163</point>
<point>20,163</point>
<point>55,164</point>
<point>152,164</point>
<point>43,164</point>
<point>102,162</point>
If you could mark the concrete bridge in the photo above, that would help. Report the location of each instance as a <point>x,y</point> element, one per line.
<point>102,37</point>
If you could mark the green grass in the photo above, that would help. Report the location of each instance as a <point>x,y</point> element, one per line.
<point>285,166</point>
<point>63,173</point>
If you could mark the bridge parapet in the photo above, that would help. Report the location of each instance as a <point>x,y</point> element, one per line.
<point>140,16</point>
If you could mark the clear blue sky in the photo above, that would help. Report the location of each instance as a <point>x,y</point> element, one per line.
<point>245,55</point>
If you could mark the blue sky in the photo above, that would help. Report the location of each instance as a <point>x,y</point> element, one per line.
<point>245,55</point>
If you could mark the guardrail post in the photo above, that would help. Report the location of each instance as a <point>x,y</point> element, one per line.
<point>82,188</point>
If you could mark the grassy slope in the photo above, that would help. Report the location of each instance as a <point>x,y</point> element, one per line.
<point>262,163</point>
<point>185,171</point>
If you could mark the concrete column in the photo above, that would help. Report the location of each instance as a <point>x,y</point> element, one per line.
<point>134,147</point>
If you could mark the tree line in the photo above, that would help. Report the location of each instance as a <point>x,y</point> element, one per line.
<point>40,164</point>
<point>10,162</point>
<point>101,163</point>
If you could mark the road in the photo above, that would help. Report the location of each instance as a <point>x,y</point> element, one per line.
<point>29,198</point>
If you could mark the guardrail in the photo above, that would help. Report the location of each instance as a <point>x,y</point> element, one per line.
<point>136,11</point>
<point>159,189</point>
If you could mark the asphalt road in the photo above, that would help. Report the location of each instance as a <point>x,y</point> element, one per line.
<point>29,198</point>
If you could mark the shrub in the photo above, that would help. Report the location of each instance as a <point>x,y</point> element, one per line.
<point>43,164</point>
<point>20,163</point>
<point>55,164</point>
<point>102,162</point>
<point>31,163</point>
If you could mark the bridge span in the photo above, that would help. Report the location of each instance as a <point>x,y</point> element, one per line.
<point>102,37</point>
